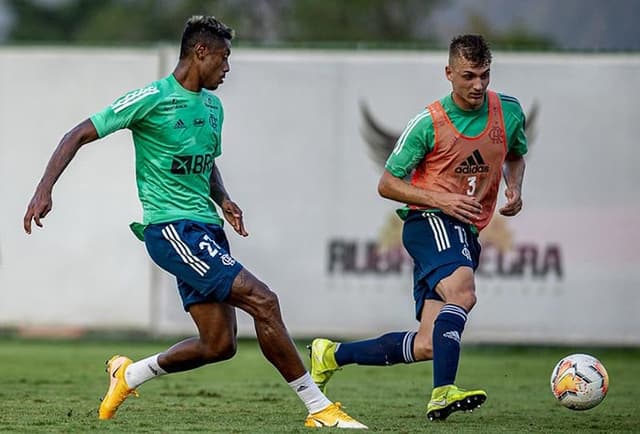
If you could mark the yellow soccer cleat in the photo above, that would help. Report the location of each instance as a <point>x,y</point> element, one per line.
<point>119,390</point>
<point>447,399</point>
<point>332,417</point>
<point>323,361</point>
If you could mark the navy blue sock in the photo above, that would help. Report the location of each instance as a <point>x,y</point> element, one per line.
<point>387,349</point>
<point>447,331</point>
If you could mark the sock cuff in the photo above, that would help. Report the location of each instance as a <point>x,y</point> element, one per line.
<point>454,309</point>
<point>306,378</point>
<point>142,371</point>
<point>407,347</point>
<point>152,362</point>
<point>309,393</point>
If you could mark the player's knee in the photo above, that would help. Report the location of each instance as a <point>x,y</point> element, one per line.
<point>469,299</point>
<point>464,296</point>
<point>262,303</point>
<point>268,304</point>
<point>459,288</point>
<point>223,349</point>
<point>422,348</point>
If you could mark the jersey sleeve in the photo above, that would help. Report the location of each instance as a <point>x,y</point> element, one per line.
<point>515,121</point>
<point>413,144</point>
<point>125,111</point>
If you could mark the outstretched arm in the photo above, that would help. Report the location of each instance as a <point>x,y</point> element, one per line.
<point>41,202</point>
<point>232,212</point>
<point>513,175</point>
<point>462,207</point>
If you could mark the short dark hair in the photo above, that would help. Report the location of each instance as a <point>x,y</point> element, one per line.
<point>473,48</point>
<point>204,29</point>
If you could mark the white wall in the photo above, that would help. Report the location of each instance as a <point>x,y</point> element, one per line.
<point>84,268</point>
<point>296,162</point>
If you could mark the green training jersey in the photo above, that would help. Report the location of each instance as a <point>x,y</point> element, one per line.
<point>177,135</point>
<point>418,137</point>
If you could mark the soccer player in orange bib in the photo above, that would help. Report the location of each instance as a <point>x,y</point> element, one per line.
<point>455,152</point>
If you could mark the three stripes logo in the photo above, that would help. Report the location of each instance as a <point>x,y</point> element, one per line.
<point>133,97</point>
<point>473,164</point>
<point>192,259</point>
<point>179,125</point>
<point>198,265</point>
<point>439,231</point>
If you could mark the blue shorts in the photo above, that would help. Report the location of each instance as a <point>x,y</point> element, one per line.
<point>438,244</point>
<point>198,255</point>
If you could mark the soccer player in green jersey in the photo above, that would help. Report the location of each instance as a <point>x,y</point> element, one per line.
<point>454,153</point>
<point>176,125</point>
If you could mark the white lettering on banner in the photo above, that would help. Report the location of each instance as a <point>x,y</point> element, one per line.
<point>521,260</point>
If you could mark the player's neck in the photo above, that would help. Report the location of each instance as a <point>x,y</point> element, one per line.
<point>187,76</point>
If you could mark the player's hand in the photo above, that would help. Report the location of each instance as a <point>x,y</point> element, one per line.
<point>233,215</point>
<point>514,203</point>
<point>465,208</point>
<point>38,208</point>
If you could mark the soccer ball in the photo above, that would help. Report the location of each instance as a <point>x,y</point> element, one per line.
<point>579,382</point>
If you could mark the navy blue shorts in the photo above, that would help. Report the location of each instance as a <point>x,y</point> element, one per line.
<point>198,255</point>
<point>438,244</point>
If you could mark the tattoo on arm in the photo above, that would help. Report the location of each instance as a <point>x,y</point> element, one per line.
<point>216,186</point>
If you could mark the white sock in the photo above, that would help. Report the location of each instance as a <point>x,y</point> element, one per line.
<point>143,370</point>
<point>309,393</point>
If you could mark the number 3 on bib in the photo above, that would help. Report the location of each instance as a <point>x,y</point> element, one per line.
<point>471,180</point>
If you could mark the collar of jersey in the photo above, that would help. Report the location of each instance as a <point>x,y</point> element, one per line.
<point>176,84</point>
<point>450,106</point>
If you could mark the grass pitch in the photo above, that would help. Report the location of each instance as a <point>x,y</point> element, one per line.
<point>55,386</point>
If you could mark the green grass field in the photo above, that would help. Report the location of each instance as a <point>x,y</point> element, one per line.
<point>55,386</point>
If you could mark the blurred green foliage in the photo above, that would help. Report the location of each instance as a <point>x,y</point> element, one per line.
<point>327,23</point>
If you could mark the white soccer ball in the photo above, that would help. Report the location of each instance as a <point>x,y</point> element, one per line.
<point>579,382</point>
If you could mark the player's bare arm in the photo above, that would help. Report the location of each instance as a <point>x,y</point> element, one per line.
<point>513,171</point>
<point>464,208</point>
<point>231,211</point>
<point>41,202</point>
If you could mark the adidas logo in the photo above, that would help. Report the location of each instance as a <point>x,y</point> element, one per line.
<point>473,164</point>
<point>179,124</point>
<point>453,335</point>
